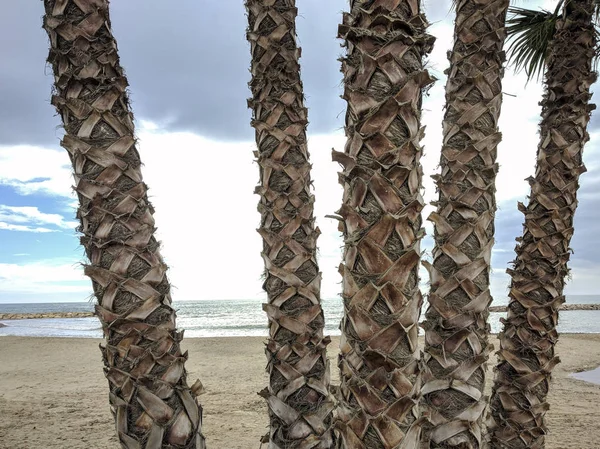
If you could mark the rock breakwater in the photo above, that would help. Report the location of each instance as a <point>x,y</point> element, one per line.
<point>565,307</point>
<point>30,316</point>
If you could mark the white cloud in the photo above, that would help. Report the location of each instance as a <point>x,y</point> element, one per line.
<point>31,219</point>
<point>206,212</point>
<point>30,169</point>
<point>23,228</point>
<point>582,279</point>
<point>328,199</point>
<point>43,278</point>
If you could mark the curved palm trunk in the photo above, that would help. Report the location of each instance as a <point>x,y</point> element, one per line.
<point>151,401</point>
<point>456,328</point>
<point>381,222</point>
<point>298,394</point>
<point>527,356</point>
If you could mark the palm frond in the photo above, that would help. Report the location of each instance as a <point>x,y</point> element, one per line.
<point>530,33</point>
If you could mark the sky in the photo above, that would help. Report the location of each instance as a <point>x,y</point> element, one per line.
<point>188,73</point>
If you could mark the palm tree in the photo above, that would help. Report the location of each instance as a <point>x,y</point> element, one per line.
<point>564,42</point>
<point>300,406</point>
<point>456,328</point>
<point>380,218</point>
<point>151,401</point>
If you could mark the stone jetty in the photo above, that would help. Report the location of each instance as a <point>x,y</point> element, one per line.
<point>29,316</point>
<point>565,307</point>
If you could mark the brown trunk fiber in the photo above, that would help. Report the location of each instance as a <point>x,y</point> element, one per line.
<point>381,223</point>
<point>456,328</point>
<point>527,342</point>
<point>298,396</point>
<point>150,399</point>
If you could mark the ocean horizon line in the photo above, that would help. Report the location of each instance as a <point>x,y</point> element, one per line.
<point>220,318</point>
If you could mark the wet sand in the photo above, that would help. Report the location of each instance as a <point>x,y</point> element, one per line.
<point>53,394</point>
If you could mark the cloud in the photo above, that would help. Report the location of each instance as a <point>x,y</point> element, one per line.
<point>31,169</point>
<point>23,228</point>
<point>26,116</point>
<point>188,67</point>
<point>31,219</point>
<point>44,279</point>
<point>206,212</point>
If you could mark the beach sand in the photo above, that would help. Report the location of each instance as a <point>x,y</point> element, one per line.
<point>53,393</point>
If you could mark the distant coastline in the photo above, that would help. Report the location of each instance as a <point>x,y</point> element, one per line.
<point>29,316</point>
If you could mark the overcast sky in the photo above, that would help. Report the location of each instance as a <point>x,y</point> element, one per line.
<point>188,70</point>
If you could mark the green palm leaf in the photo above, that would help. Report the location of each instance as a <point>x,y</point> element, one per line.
<point>530,33</point>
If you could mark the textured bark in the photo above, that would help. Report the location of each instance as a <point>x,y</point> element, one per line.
<point>527,342</point>
<point>456,328</point>
<point>298,397</point>
<point>381,223</point>
<point>150,399</point>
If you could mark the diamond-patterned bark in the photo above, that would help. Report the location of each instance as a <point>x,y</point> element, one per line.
<point>527,342</point>
<point>381,223</point>
<point>298,396</point>
<point>456,328</point>
<point>151,401</point>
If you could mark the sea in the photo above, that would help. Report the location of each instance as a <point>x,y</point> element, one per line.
<point>235,318</point>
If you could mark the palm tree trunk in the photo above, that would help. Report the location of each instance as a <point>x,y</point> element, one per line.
<point>150,398</point>
<point>300,405</point>
<point>381,222</point>
<point>456,328</point>
<point>527,342</point>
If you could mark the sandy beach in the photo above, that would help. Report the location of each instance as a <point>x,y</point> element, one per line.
<point>53,393</point>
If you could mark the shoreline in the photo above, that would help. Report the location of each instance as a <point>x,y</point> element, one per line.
<point>32,316</point>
